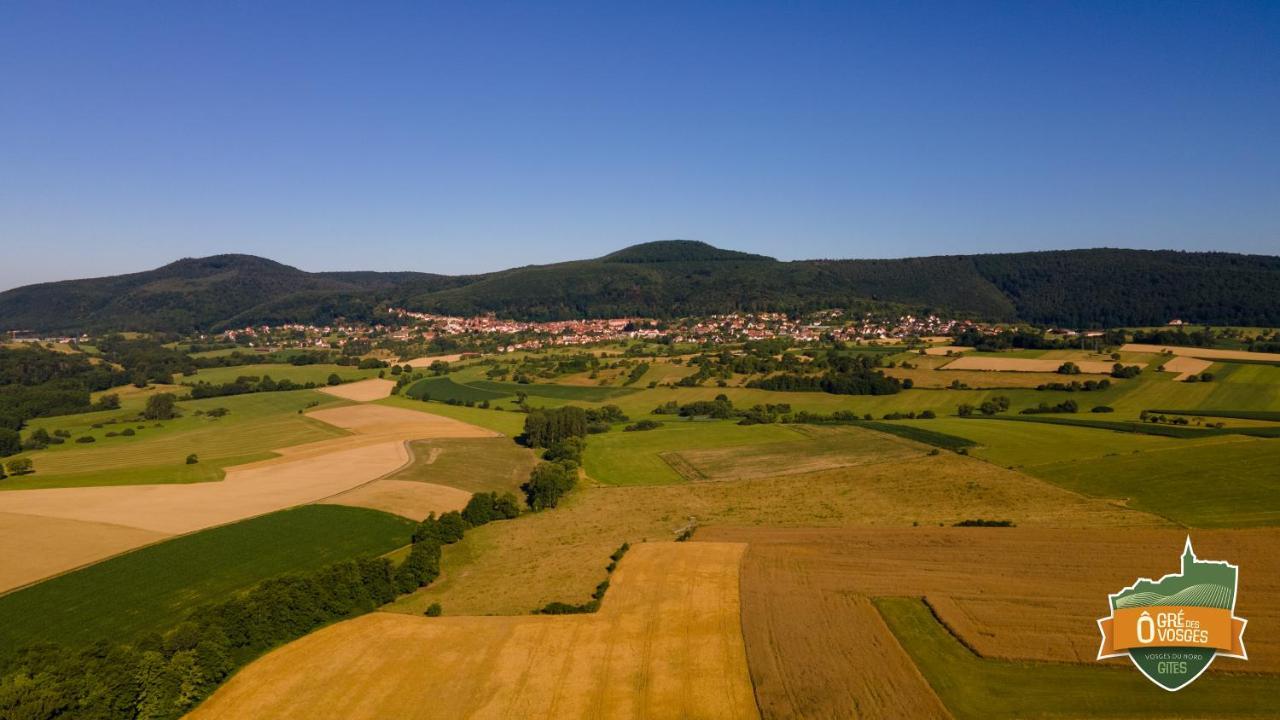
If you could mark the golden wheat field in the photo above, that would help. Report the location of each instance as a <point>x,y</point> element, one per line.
<point>666,643</point>
<point>361,391</point>
<point>506,567</point>
<point>1009,593</point>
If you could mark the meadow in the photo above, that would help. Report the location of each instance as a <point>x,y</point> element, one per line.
<point>254,426</point>
<point>475,465</point>
<point>153,588</point>
<point>636,458</point>
<point>318,374</point>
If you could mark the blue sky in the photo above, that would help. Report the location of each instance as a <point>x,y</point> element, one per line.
<point>464,137</point>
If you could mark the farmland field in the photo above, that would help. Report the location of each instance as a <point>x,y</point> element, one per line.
<point>825,448</point>
<point>974,687</point>
<point>808,619</point>
<point>667,602</point>
<point>301,474</point>
<point>317,374</point>
<point>555,392</point>
<point>506,568</point>
<point>152,588</point>
<point>444,389</point>
<point>475,465</point>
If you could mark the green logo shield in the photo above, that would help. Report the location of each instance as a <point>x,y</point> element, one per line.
<point>1174,627</point>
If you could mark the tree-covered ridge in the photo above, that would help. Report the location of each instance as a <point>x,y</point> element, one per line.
<point>1074,288</point>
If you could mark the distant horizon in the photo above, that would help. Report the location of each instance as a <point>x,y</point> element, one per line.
<point>303,268</point>
<point>459,139</point>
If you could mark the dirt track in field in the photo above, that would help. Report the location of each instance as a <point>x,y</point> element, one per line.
<point>1015,593</point>
<point>301,474</point>
<point>1008,364</point>
<point>667,643</point>
<point>361,391</point>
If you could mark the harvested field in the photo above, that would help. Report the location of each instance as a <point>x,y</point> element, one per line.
<point>1207,353</point>
<point>1013,364</point>
<point>35,547</point>
<point>248,490</point>
<point>414,500</point>
<point>300,474</point>
<point>382,420</point>
<point>947,350</point>
<point>666,643</point>
<point>1009,593</point>
<point>977,688</point>
<point>506,568</point>
<point>827,448</point>
<point>153,588</point>
<point>1186,365</point>
<point>361,391</point>
<point>423,362</point>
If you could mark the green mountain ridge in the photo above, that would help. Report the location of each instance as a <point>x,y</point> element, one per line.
<point>672,278</point>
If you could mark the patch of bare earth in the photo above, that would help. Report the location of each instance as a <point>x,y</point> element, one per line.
<point>666,643</point>
<point>362,390</point>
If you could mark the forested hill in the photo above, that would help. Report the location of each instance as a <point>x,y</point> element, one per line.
<point>1076,288</point>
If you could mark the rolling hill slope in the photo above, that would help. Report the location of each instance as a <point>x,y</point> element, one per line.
<point>1079,288</point>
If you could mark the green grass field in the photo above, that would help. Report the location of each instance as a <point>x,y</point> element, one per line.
<point>974,687</point>
<point>317,374</point>
<point>472,464</point>
<point>506,422</point>
<point>257,423</point>
<point>151,589</point>
<point>443,389</point>
<point>1223,484</point>
<point>582,393</point>
<point>634,458</point>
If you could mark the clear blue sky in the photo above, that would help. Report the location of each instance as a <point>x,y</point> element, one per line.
<point>463,137</point>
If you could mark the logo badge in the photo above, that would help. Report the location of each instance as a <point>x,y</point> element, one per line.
<point>1173,628</point>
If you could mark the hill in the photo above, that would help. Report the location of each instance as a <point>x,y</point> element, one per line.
<point>1076,288</point>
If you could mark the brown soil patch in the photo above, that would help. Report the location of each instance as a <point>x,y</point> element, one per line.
<point>1186,366</point>
<point>1013,593</point>
<point>414,500</point>
<point>1009,364</point>
<point>361,391</point>
<point>1208,353</point>
<point>667,643</point>
<point>36,547</point>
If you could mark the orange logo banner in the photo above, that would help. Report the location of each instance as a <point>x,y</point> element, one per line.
<point>1180,626</point>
